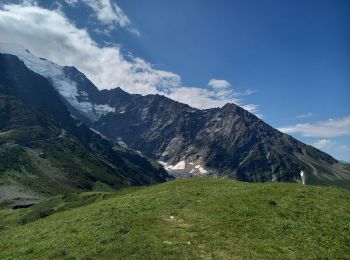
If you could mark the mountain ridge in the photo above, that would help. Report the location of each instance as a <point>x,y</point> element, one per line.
<point>146,131</point>
<point>220,142</point>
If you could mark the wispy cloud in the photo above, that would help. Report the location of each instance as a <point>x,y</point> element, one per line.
<point>108,13</point>
<point>215,95</point>
<point>219,84</point>
<point>329,128</point>
<point>106,67</point>
<point>199,97</point>
<point>71,2</point>
<point>253,109</point>
<point>246,92</point>
<point>322,143</point>
<point>308,114</point>
<point>334,147</point>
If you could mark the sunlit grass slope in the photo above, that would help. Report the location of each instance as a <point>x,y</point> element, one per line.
<point>184,219</point>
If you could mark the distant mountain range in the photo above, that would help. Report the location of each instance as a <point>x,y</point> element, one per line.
<point>227,142</point>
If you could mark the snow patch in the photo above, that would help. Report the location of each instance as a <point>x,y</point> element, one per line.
<point>121,142</point>
<point>179,166</point>
<point>162,163</point>
<point>202,170</point>
<point>63,133</point>
<point>83,93</point>
<point>165,153</point>
<point>302,175</point>
<point>184,169</point>
<point>103,109</point>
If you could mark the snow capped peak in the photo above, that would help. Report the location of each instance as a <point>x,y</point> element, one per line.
<point>56,75</point>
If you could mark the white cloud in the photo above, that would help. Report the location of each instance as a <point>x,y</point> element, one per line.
<point>322,143</point>
<point>340,151</point>
<point>253,109</point>
<point>67,45</point>
<point>71,2</point>
<point>106,67</point>
<point>203,98</point>
<point>308,114</point>
<point>222,85</point>
<point>109,13</point>
<point>219,84</point>
<point>329,128</point>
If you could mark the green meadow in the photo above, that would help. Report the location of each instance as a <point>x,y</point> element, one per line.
<point>184,219</point>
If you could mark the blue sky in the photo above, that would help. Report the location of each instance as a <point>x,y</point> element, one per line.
<point>286,61</point>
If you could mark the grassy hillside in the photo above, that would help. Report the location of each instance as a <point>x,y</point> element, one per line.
<point>184,219</point>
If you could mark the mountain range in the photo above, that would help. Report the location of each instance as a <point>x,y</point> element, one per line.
<point>59,133</point>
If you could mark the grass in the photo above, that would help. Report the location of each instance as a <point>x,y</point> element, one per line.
<point>184,219</point>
